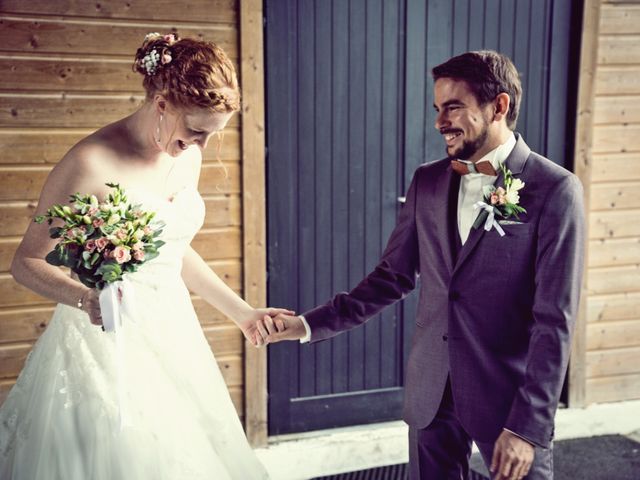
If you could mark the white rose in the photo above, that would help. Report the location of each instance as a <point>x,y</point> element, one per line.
<point>516,184</point>
<point>512,196</point>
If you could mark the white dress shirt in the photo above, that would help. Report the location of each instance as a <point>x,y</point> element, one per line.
<point>471,186</point>
<point>470,192</point>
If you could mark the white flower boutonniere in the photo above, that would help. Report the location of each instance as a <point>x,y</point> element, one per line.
<point>502,202</point>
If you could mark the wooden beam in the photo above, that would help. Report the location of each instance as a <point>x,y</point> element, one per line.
<point>254,208</point>
<point>582,168</point>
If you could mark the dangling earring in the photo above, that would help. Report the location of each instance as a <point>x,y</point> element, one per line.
<point>158,130</point>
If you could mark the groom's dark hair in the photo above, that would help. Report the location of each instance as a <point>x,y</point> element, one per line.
<point>488,74</point>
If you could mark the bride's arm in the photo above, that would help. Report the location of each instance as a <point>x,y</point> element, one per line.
<point>198,276</point>
<point>204,282</point>
<point>29,267</point>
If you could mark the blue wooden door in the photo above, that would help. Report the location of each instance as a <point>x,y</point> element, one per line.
<point>349,118</point>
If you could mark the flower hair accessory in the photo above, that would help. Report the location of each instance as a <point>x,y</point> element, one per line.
<point>150,62</point>
<point>158,55</point>
<point>502,202</point>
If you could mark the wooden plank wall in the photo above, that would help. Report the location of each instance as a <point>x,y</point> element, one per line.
<point>613,274</point>
<point>66,70</point>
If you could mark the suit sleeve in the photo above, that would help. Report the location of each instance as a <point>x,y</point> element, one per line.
<point>558,279</point>
<point>394,277</point>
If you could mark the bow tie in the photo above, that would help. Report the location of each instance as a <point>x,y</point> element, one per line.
<point>483,167</point>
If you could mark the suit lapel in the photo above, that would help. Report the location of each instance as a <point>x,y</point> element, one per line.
<point>447,189</point>
<point>514,162</point>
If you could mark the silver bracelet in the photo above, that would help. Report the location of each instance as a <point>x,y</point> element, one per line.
<point>80,303</point>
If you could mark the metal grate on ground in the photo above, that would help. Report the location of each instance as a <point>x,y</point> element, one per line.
<point>390,472</point>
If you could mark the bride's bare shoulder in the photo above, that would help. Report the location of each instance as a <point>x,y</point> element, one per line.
<point>89,164</point>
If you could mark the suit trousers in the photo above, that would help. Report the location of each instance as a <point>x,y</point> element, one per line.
<point>441,451</point>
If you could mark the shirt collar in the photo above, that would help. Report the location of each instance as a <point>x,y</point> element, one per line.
<point>498,155</point>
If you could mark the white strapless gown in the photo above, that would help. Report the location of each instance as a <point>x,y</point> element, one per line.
<point>61,421</point>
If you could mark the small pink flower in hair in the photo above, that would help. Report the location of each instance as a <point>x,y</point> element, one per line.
<point>170,38</point>
<point>166,58</point>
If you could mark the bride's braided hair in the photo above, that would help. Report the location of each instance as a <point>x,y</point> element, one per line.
<point>189,73</point>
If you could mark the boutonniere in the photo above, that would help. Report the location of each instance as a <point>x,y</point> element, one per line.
<point>501,202</point>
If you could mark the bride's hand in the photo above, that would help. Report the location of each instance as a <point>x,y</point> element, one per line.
<point>266,317</point>
<point>91,305</point>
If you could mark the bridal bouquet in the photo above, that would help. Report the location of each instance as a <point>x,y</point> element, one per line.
<point>101,241</point>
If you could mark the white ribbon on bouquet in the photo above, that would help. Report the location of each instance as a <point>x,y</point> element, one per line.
<point>117,306</point>
<point>491,219</point>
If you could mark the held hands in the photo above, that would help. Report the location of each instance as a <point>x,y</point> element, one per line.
<point>512,457</point>
<point>258,318</point>
<point>285,326</point>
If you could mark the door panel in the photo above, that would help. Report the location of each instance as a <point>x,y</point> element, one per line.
<point>349,119</point>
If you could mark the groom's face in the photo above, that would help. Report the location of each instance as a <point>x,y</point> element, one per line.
<point>462,122</point>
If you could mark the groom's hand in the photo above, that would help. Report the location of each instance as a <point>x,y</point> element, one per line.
<point>512,457</point>
<point>282,327</point>
<point>249,323</point>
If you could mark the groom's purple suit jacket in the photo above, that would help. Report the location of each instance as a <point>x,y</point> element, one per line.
<point>495,315</point>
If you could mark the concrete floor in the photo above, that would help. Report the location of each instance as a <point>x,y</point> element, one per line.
<point>327,452</point>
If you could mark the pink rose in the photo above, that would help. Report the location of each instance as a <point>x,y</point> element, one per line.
<point>138,246</point>
<point>502,195</point>
<point>121,234</point>
<point>169,38</point>
<point>101,243</point>
<point>92,211</point>
<point>138,255</point>
<point>90,246</point>
<point>74,233</point>
<point>494,198</point>
<point>98,222</point>
<point>147,230</point>
<point>121,254</point>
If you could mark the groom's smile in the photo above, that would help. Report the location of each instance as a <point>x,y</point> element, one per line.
<point>462,122</point>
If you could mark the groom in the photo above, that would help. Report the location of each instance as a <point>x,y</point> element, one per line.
<point>498,299</point>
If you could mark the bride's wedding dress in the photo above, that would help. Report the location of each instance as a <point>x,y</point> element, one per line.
<point>152,405</point>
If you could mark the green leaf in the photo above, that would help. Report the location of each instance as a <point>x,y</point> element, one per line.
<point>69,261</point>
<point>56,232</point>
<point>87,279</point>
<point>110,272</point>
<point>108,267</point>
<point>53,258</point>
<point>150,255</point>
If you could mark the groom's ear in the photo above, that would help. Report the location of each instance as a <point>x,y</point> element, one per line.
<point>501,106</point>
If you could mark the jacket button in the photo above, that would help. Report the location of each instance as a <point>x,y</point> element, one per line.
<point>454,295</point>
<point>444,338</point>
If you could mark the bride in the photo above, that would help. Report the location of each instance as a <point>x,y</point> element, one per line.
<point>65,416</point>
